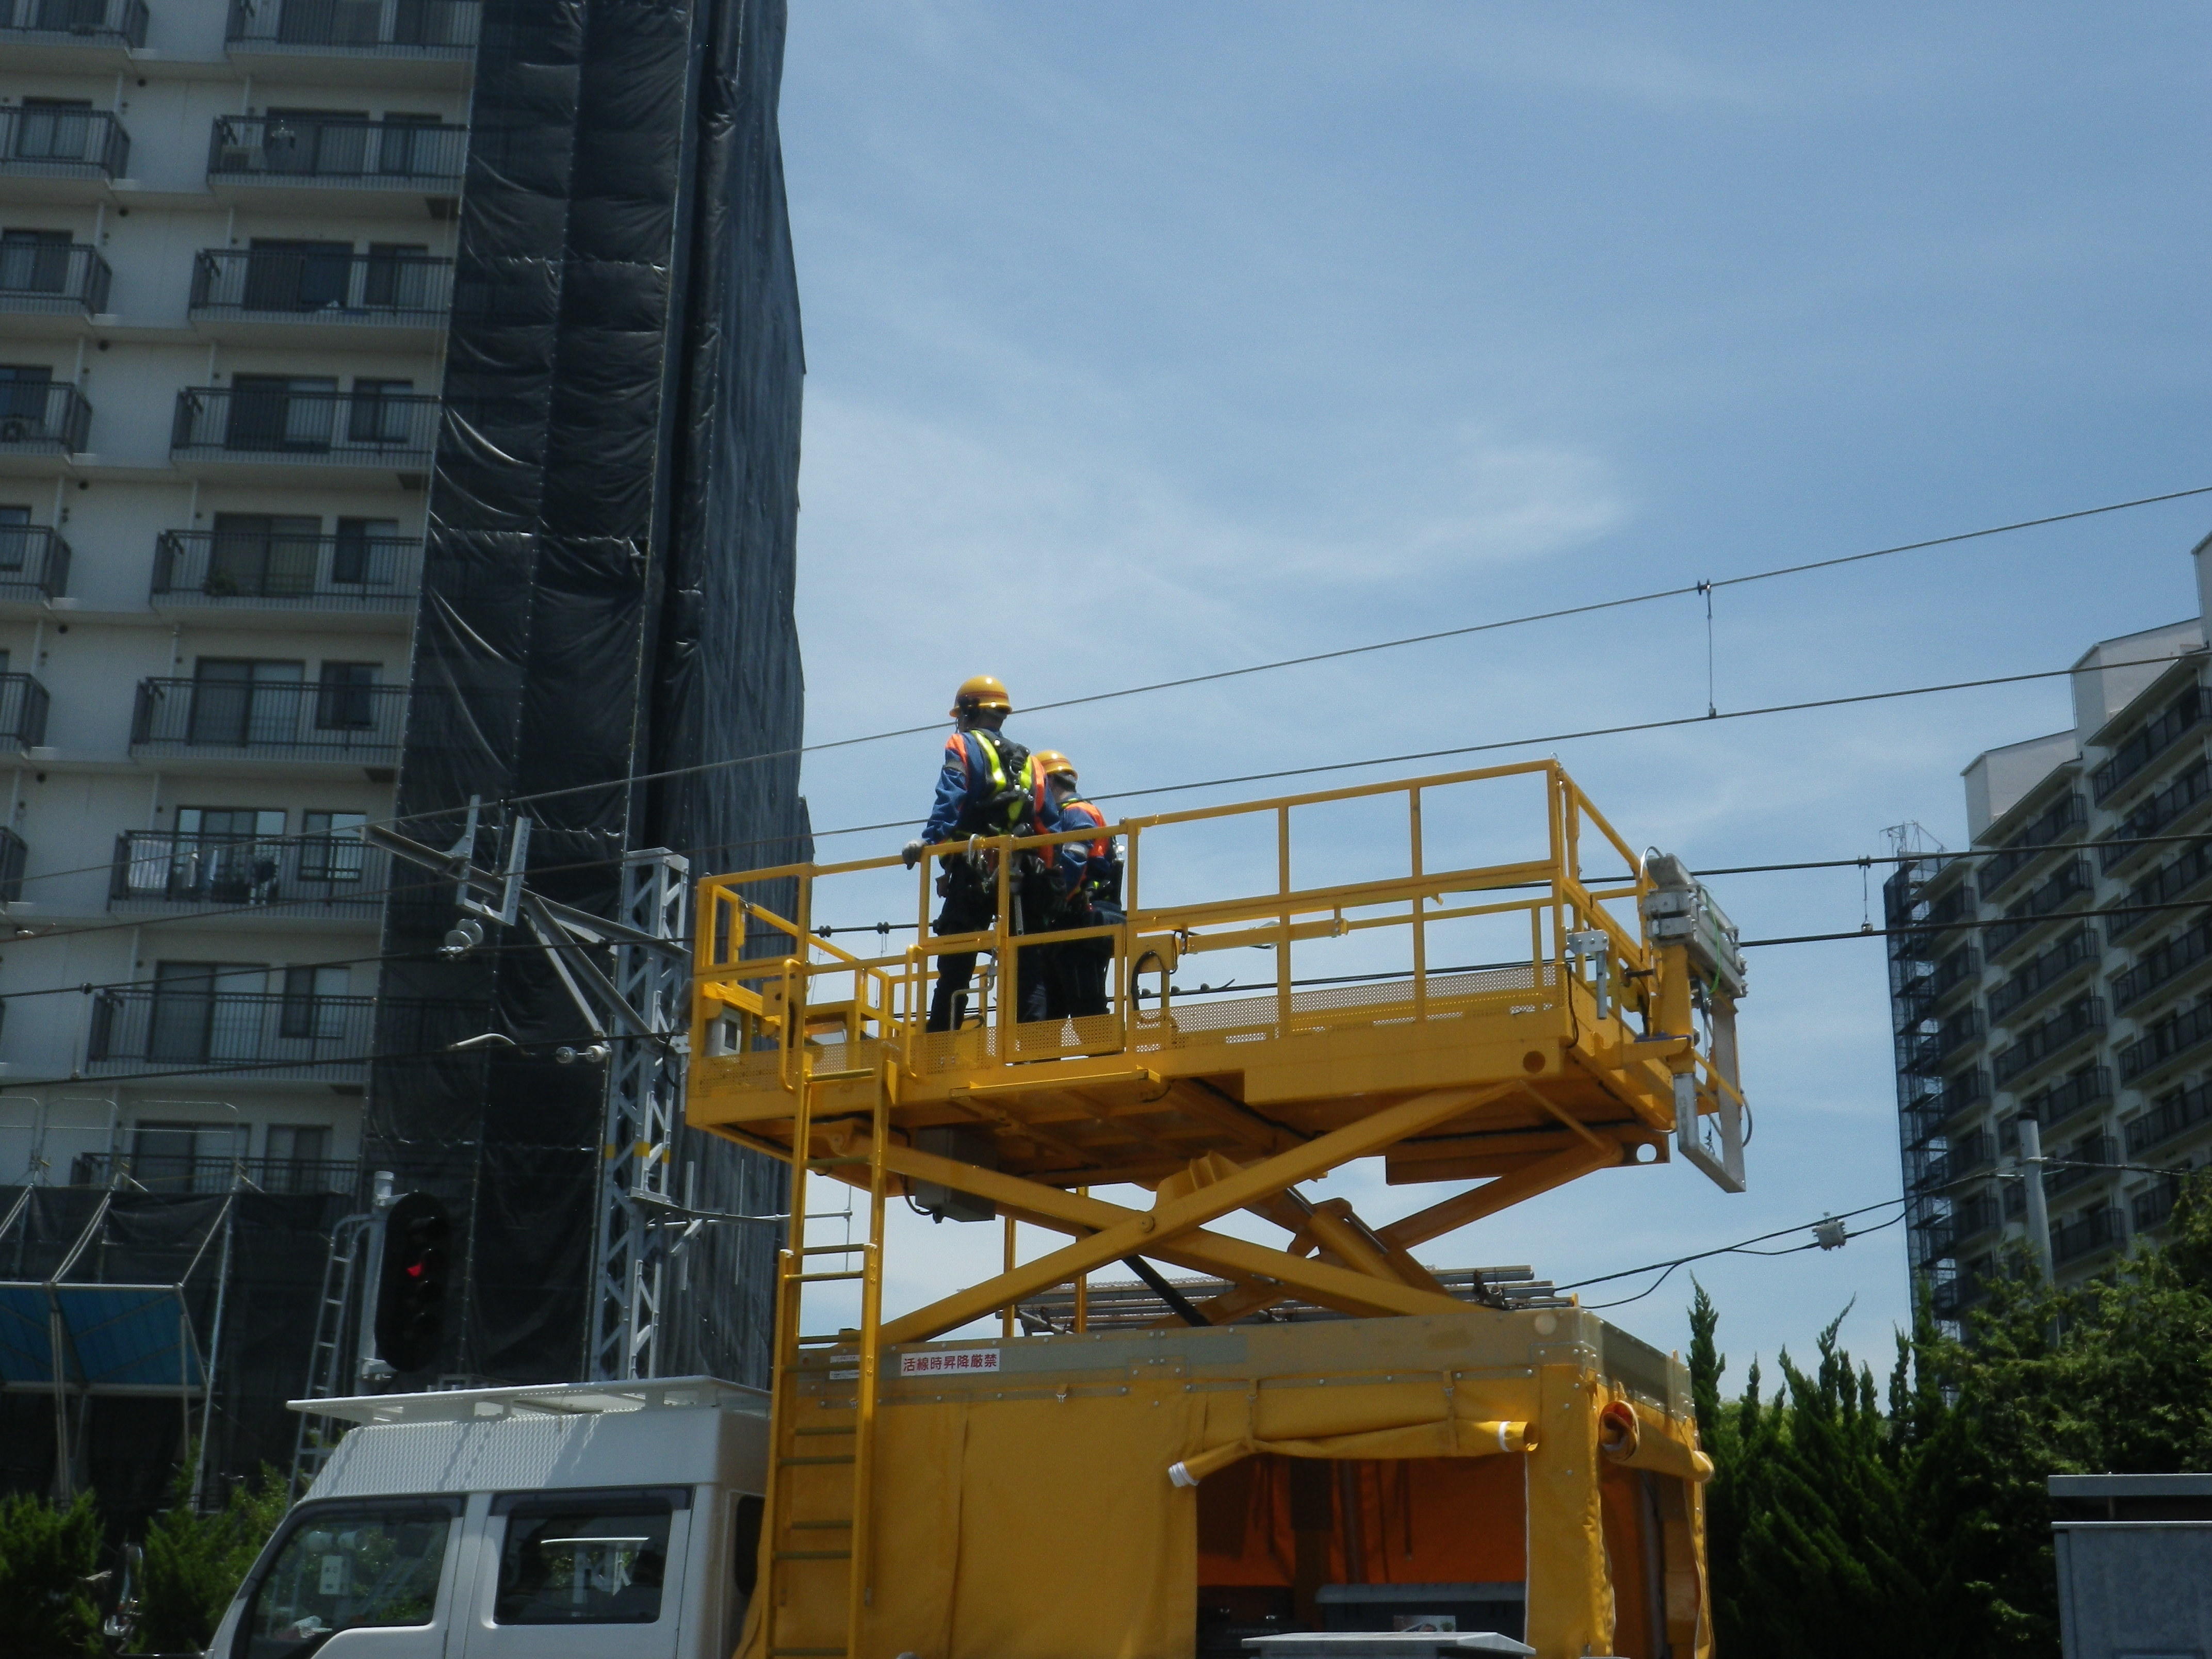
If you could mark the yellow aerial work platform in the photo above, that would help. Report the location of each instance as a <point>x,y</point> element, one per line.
<point>1597,1031</point>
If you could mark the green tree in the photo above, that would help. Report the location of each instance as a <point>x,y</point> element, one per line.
<point>47,1559</point>
<point>194,1563</point>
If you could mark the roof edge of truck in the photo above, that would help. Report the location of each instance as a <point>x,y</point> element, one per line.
<point>542,1399</point>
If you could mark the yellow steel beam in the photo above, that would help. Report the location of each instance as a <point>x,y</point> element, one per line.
<point>1115,1231</point>
<point>1495,1195</point>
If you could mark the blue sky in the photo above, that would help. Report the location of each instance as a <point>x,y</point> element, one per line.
<point>1145,341</point>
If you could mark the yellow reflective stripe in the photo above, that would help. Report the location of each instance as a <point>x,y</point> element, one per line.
<point>998,772</point>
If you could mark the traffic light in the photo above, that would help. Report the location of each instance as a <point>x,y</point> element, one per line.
<point>410,1292</point>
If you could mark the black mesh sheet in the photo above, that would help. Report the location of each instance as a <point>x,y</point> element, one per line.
<point>607,595</point>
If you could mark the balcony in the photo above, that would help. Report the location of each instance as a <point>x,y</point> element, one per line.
<point>2163,964</point>
<point>2069,814</point>
<point>2164,884</point>
<point>1969,1088</point>
<point>2048,1038</point>
<point>2181,1034</point>
<point>387,166</point>
<point>2153,1207</point>
<point>66,281</point>
<point>1969,1218</point>
<point>22,714</point>
<point>235,570</point>
<point>60,153</point>
<point>1927,1054</point>
<point>2087,1234</point>
<point>2086,1159</point>
<point>235,428</point>
<point>2165,808</point>
<point>318,875</point>
<point>2043,971</point>
<point>2090,1086</point>
<point>2173,1116</point>
<point>2024,915</point>
<point>276,296</point>
<point>34,563</point>
<point>90,31</point>
<point>40,423</point>
<point>388,42</point>
<point>2184,714</point>
<point>269,720</point>
<point>139,1029</point>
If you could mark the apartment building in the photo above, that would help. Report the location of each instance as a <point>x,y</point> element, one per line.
<point>226,269</point>
<point>308,310</point>
<point>2012,1001</point>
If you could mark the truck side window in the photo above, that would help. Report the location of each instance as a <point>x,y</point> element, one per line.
<point>342,1569</point>
<point>744,1530</point>
<point>566,1561</point>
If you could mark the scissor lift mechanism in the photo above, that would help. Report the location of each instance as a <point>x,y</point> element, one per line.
<point>1615,1035</point>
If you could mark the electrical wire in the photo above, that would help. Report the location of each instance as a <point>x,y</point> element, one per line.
<point>1666,1269</point>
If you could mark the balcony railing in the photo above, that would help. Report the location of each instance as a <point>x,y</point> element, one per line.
<point>1969,1217</point>
<point>2163,964</point>
<point>157,1028</point>
<point>1953,971</point>
<point>2087,1233</point>
<point>310,429</point>
<point>2090,1086</point>
<point>2049,1037</point>
<point>2153,1207</point>
<point>263,571</point>
<point>180,1172</point>
<point>299,149</point>
<point>35,562</point>
<point>2123,842</point>
<point>2183,715</point>
<point>387,28</point>
<point>1968,1088</point>
<point>2025,913</point>
<point>269,720</point>
<point>60,278</point>
<point>45,141</point>
<point>2085,1160</point>
<point>2173,1116</point>
<point>338,874</point>
<point>118,22</point>
<point>23,713</point>
<point>287,285</point>
<point>2068,815</point>
<point>1929,1053</point>
<point>2182,1032</point>
<point>2043,970</point>
<point>48,418</point>
<point>2163,886</point>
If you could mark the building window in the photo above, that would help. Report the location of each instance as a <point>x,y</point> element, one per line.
<point>34,261</point>
<point>296,1155</point>
<point>378,412</point>
<point>240,701</point>
<point>314,1002</point>
<point>330,846</point>
<point>15,538</point>
<point>281,412</point>
<point>54,130</point>
<point>367,554</point>
<point>263,556</point>
<point>399,276</point>
<point>207,1011</point>
<point>344,701</point>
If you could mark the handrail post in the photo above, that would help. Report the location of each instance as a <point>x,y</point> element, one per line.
<point>1004,967</point>
<point>1283,946</point>
<point>1420,911</point>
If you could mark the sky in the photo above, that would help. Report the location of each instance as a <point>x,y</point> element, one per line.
<point>1147,341</point>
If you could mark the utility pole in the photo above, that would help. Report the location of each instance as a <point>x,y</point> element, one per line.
<point>2038,1212</point>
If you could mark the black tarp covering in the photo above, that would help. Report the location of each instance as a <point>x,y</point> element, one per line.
<point>607,593</point>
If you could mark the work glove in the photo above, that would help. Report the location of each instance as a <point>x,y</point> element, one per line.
<point>911,855</point>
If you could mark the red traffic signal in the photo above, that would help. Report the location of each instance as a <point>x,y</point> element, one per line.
<point>411,1292</point>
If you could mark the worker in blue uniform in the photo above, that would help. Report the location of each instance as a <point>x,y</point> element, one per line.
<point>1086,879</point>
<point>984,788</point>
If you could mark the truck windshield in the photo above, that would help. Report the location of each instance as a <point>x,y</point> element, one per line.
<point>340,1571</point>
<point>569,1563</point>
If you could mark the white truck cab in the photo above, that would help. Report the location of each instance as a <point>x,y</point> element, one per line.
<point>578,1521</point>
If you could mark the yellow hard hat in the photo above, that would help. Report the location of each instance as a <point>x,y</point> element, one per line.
<point>986,691</point>
<point>1050,762</point>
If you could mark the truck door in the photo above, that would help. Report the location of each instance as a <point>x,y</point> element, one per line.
<point>595,1574</point>
<point>355,1579</point>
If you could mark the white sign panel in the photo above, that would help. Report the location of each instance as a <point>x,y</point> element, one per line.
<point>940,1362</point>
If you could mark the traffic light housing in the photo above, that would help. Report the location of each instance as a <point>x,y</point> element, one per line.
<point>410,1290</point>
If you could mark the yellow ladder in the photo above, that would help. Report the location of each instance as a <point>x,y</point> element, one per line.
<point>821,1436</point>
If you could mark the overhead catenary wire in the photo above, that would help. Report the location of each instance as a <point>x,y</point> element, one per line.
<point>1697,587</point>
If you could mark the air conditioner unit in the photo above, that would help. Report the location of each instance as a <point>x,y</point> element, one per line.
<point>243,158</point>
<point>19,429</point>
